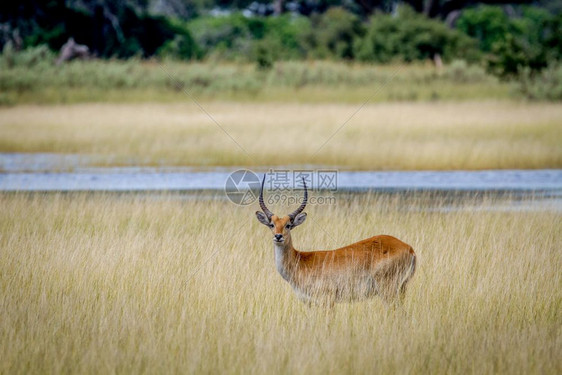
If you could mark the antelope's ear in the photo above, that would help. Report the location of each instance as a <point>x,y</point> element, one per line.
<point>262,218</point>
<point>299,219</point>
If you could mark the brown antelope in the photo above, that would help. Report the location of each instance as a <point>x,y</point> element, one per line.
<point>380,265</point>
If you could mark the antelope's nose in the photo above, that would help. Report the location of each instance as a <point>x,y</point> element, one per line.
<point>278,237</point>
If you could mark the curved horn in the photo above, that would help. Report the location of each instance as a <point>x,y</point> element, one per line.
<point>264,208</point>
<point>303,205</point>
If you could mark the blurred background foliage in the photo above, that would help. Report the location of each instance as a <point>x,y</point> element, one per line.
<point>514,40</point>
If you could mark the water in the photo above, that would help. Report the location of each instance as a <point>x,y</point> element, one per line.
<point>41,162</point>
<point>51,172</point>
<point>121,179</point>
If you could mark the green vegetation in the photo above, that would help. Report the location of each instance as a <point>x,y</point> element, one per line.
<point>412,37</point>
<point>133,284</point>
<point>109,28</point>
<point>31,77</point>
<point>514,44</point>
<point>546,85</point>
<point>523,46</point>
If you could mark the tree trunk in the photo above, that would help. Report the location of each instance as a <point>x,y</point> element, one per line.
<point>72,50</point>
<point>278,7</point>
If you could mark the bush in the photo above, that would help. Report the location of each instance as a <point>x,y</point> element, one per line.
<point>182,46</point>
<point>529,41</point>
<point>333,34</point>
<point>487,24</point>
<point>282,40</point>
<point>507,58</point>
<point>411,36</point>
<point>285,36</point>
<point>263,56</point>
<point>546,85</point>
<point>236,37</point>
<point>461,72</point>
<point>230,36</point>
<point>28,58</point>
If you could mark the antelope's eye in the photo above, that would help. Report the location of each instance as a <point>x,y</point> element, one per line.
<point>288,226</point>
<point>270,225</point>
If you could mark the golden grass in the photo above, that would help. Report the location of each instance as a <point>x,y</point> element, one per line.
<point>470,135</point>
<point>157,284</point>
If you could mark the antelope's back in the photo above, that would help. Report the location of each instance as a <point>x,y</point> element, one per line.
<point>365,254</point>
<point>379,247</point>
<point>383,254</point>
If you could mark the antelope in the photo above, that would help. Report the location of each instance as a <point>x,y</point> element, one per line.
<point>380,265</point>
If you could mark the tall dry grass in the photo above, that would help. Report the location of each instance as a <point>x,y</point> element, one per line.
<point>105,283</point>
<point>379,136</point>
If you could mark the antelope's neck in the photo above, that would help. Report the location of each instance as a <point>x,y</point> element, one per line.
<point>285,260</point>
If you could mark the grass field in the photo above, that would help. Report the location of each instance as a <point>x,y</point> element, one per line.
<point>407,136</point>
<point>101,283</point>
<point>166,283</point>
<point>36,79</point>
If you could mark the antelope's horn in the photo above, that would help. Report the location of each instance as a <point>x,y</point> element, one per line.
<point>303,205</point>
<point>264,208</point>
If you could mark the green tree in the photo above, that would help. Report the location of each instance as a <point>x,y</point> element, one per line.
<point>487,24</point>
<point>333,34</point>
<point>530,40</point>
<point>410,36</point>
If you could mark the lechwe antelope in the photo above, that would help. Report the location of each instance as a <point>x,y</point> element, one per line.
<point>380,265</point>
